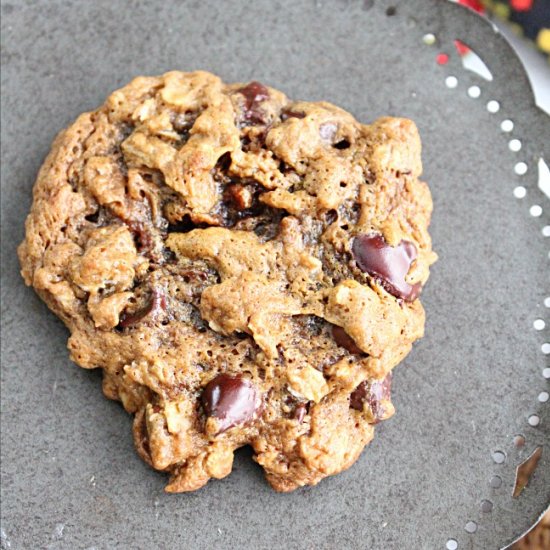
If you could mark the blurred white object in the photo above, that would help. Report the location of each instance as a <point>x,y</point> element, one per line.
<point>535,63</point>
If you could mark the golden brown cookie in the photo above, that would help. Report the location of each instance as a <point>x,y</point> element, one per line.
<point>244,268</point>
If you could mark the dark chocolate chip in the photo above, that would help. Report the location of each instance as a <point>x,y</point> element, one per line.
<point>232,400</point>
<point>144,237</point>
<point>285,115</point>
<point>156,304</point>
<point>386,263</point>
<point>93,218</point>
<point>371,393</point>
<point>182,226</point>
<point>342,144</point>
<point>331,216</point>
<point>169,256</point>
<point>344,340</point>
<point>358,396</point>
<point>300,412</point>
<point>194,275</point>
<point>224,162</point>
<point>182,123</point>
<point>245,143</point>
<point>254,93</point>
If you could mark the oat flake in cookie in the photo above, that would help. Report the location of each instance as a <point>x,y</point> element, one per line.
<point>244,268</point>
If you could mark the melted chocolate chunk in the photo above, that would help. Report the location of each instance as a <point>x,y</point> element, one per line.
<point>300,412</point>
<point>330,216</point>
<point>372,393</point>
<point>230,399</point>
<point>182,124</point>
<point>224,163</point>
<point>254,93</point>
<point>388,264</point>
<point>142,233</point>
<point>145,236</point>
<point>344,340</point>
<point>156,304</point>
<point>194,275</point>
<point>285,115</point>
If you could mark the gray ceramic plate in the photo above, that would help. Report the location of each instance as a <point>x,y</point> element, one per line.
<point>70,477</point>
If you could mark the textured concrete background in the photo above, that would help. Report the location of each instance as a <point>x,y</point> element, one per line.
<point>70,477</point>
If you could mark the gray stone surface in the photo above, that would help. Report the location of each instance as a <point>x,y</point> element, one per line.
<point>70,477</point>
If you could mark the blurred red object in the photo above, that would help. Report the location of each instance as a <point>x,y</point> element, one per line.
<point>521,5</point>
<point>477,5</point>
<point>461,48</point>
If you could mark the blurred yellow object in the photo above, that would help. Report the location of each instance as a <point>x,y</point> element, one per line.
<point>529,19</point>
<point>517,29</point>
<point>543,40</point>
<point>501,10</point>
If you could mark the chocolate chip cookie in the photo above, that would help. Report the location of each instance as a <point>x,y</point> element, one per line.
<point>244,268</point>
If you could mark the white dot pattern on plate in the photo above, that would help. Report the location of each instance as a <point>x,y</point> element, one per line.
<point>520,192</point>
<point>495,482</point>
<point>507,125</point>
<point>429,39</point>
<point>535,210</point>
<point>451,82</point>
<point>534,420</point>
<point>514,145</point>
<point>486,506</point>
<point>499,457</point>
<point>474,92</point>
<point>520,168</point>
